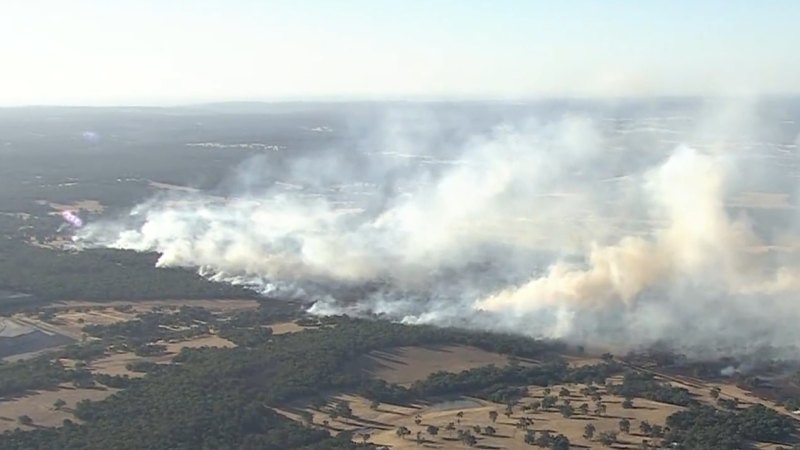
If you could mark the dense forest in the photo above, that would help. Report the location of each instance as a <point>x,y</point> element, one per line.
<point>99,275</point>
<point>219,398</point>
<point>214,398</point>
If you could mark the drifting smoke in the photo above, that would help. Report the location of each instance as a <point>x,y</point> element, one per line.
<point>617,231</point>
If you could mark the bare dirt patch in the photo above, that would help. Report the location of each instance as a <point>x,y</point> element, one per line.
<point>39,406</point>
<point>116,364</point>
<point>92,206</point>
<point>72,321</point>
<point>380,424</point>
<point>286,327</point>
<point>202,341</point>
<point>405,365</point>
<point>148,305</point>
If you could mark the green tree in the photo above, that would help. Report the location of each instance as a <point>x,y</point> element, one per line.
<point>608,438</point>
<point>645,428</point>
<point>402,432</point>
<point>625,425</point>
<point>588,431</point>
<point>493,416</point>
<point>560,442</point>
<point>58,404</point>
<point>25,420</point>
<point>530,437</point>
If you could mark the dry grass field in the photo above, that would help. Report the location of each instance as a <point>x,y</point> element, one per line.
<point>39,406</point>
<point>405,365</point>
<point>115,364</point>
<point>222,305</point>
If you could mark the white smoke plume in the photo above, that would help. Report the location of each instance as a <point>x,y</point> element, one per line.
<point>615,230</point>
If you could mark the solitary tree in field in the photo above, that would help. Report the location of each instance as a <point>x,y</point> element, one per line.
<point>547,391</point>
<point>468,439</point>
<point>588,431</point>
<point>715,392</point>
<point>459,416</point>
<point>343,409</point>
<point>25,420</point>
<point>657,431</point>
<point>549,401</point>
<point>530,437</point>
<point>645,427</point>
<point>433,430</point>
<point>58,404</point>
<point>509,410</point>
<point>489,431</point>
<point>450,428</point>
<point>493,416</point>
<point>417,419</point>
<point>564,392</point>
<point>627,403</point>
<point>584,409</point>
<point>608,438</point>
<point>402,432</point>
<point>625,425</point>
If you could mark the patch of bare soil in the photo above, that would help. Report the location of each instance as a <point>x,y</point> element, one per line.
<point>92,206</point>
<point>379,424</point>
<point>286,327</point>
<point>39,406</point>
<point>116,364</point>
<point>148,305</point>
<point>405,365</point>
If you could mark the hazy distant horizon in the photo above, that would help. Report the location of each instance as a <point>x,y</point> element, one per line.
<point>127,52</point>
<point>310,101</point>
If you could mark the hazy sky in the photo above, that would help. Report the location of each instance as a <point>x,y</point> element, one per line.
<point>171,51</point>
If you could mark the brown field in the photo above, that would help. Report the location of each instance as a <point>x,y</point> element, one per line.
<point>86,205</point>
<point>148,305</point>
<point>115,364</point>
<point>286,327</point>
<point>201,341</point>
<point>382,423</point>
<point>405,365</point>
<point>71,322</point>
<point>39,406</point>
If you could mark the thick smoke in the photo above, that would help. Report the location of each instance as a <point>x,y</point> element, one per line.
<point>586,226</point>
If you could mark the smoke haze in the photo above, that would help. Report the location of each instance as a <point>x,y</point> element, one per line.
<point>672,225</point>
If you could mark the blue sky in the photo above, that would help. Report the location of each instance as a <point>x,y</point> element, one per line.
<point>171,51</point>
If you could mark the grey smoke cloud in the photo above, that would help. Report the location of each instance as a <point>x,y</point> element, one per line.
<point>577,226</point>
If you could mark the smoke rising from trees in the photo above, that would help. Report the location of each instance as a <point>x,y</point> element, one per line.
<point>618,231</point>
